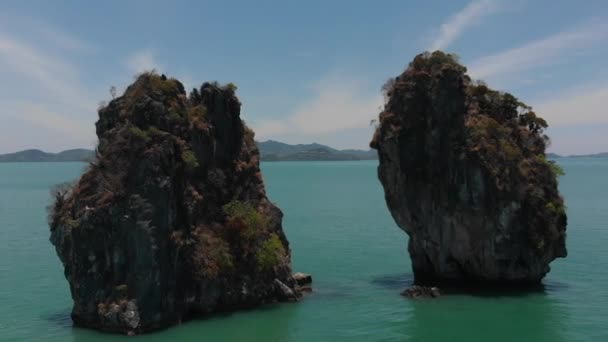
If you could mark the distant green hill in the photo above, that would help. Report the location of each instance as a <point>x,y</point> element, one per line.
<point>277,151</point>
<point>41,156</point>
<point>594,155</point>
<point>270,150</point>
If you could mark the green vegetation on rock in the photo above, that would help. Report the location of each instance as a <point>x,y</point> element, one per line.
<point>213,256</point>
<point>557,170</point>
<point>189,159</point>
<point>460,159</point>
<point>249,221</point>
<point>155,211</point>
<point>139,133</point>
<point>271,252</point>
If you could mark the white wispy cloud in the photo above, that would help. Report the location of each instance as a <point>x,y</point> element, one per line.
<point>50,34</point>
<point>458,23</point>
<point>571,110</point>
<point>557,48</point>
<point>144,60</point>
<point>78,129</point>
<point>42,88</point>
<point>583,105</point>
<point>338,104</point>
<point>49,74</point>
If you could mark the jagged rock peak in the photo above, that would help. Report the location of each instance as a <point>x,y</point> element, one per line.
<point>466,177</point>
<point>171,219</point>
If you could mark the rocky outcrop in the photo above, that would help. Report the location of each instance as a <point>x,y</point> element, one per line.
<point>465,176</point>
<point>417,291</point>
<point>171,219</point>
<point>303,282</point>
<point>302,279</point>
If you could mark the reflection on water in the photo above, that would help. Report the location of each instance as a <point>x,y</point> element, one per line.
<point>61,319</point>
<point>267,323</point>
<point>534,317</point>
<point>401,281</point>
<point>490,314</point>
<point>397,282</point>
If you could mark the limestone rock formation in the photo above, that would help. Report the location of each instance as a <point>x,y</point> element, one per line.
<point>466,177</point>
<point>171,219</point>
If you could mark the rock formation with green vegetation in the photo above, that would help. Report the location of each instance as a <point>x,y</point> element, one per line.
<point>171,219</point>
<point>465,175</point>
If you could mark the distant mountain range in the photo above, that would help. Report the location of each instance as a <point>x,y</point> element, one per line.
<point>79,154</point>
<point>594,155</point>
<point>277,151</point>
<point>270,151</point>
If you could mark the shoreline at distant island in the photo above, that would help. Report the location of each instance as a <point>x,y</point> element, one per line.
<point>592,155</point>
<point>270,151</point>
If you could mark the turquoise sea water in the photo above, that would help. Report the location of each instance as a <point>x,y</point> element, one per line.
<point>342,233</point>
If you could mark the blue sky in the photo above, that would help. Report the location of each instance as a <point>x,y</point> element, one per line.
<point>307,71</point>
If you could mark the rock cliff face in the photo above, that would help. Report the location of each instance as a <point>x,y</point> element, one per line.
<point>465,176</point>
<point>171,219</point>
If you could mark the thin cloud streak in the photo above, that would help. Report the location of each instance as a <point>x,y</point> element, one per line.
<point>34,27</point>
<point>337,105</point>
<point>458,23</point>
<point>79,130</point>
<point>54,76</point>
<point>540,52</point>
<point>582,106</point>
<point>47,93</point>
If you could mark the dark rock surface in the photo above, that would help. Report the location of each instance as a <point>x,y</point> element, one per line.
<point>285,293</point>
<point>417,291</point>
<point>171,219</point>
<point>302,278</point>
<point>303,282</point>
<point>466,177</point>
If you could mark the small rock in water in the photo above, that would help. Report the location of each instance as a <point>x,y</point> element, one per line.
<point>418,291</point>
<point>302,278</point>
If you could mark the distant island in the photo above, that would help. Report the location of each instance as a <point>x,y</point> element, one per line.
<point>79,154</point>
<point>270,150</point>
<point>594,155</point>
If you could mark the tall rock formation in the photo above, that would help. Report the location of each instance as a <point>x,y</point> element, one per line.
<point>171,219</point>
<point>466,177</point>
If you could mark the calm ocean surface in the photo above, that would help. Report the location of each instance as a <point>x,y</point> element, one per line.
<point>341,232</point>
